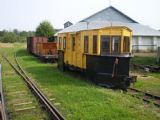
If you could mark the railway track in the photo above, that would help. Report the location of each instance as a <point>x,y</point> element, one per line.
<point>147,68</point>
<point>53,113</point>
<point>3,114</point>
<point>147,97</point>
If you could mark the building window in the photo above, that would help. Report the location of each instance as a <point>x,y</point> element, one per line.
<point>64,43</point>
<point>94,44</point>
<point>116,44</point>
<point>105,44</point>
<point>126,44</point>
<point>86,44</point>
<point>73,43</point>
<point>59,42</point>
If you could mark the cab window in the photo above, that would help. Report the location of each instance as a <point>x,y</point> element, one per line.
<point>126,44</point>
<point>59,42</point>
<point>73,43</point>
<point>86,38</point>
<point>94,44</point>
<point>105,44</point>
<point>64,43</point>
<point>116,44</point>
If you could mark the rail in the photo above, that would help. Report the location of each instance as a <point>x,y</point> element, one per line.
<point>151,68</point>
<point>3,112</point>
<point>147,96</point>
<point>54,114</point>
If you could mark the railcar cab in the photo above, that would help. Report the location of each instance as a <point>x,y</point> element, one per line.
<point>109,61</point>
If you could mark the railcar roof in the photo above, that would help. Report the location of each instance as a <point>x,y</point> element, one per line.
<point>138,29</point>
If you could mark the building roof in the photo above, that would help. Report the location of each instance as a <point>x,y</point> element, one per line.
<point>109,14</point>
<point>117,18</point>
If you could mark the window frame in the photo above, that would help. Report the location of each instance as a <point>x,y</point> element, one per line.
<point>113,45</point>
<point>86,44</point>
<point>73,43</point>
<point>125,45</point>
<point>64,42</point>
<point>59,42</point>
<point>95,40</point>
<point>107,50</point>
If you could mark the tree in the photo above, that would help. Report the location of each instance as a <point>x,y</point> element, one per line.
<point>9,37</point>
<point>45,29</point>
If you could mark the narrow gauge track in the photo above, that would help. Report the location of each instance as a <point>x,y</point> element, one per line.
<point>3,114</point>
<point>151,68</point>
<point>147,97</point>
<point>54,114</point>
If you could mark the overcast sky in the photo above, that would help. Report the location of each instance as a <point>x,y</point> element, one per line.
<point>27,14</point>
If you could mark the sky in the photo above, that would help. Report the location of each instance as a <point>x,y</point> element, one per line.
<point>27,14</point>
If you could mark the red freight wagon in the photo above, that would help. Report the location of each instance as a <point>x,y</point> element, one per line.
<point>39,46</point>
<point>32,43</point>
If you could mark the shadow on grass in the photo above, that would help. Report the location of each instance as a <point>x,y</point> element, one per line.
<point>48,74</point>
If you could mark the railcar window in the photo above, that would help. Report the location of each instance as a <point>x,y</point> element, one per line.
<point>59,42</point>
<point>64,42</point>
<point>116,44</point>
<point>105,41</point>
<point>86,44</point>
<point>126,44</point>
<point>73,43</point>
<point>94,44</point>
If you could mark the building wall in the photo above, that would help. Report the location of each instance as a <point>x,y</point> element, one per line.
<point>145,43</point>
<point>158,41</point>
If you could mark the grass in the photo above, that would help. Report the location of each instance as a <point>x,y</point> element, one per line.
<point>147,81</point>
<point>78,99</point>
<point>144,60</point>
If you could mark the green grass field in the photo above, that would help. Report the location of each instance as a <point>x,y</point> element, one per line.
<point>78,99</point>
<point>147,81</point>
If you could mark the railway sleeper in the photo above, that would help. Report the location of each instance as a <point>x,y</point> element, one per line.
<point>24,109</point>
<point>23,103</point>
<point>17,92</point>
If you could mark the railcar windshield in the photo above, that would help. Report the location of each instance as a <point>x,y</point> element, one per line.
<point>116,40</point>
<point>105,44</point>
<point>126,44</point>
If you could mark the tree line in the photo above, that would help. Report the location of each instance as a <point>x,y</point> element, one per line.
<point>15,36</point>
<point>44,29</point>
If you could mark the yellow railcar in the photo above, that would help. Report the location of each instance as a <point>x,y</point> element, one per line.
<point>103,53</point>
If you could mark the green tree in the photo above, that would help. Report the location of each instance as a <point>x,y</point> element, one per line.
<point>45,29</point>
<point>9,37</point>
